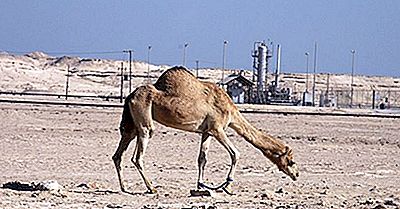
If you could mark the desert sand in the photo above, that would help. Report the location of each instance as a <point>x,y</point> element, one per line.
<point>345,162</point>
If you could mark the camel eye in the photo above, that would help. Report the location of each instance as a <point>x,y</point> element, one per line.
<point>276,155</point>
<point>290,163</point>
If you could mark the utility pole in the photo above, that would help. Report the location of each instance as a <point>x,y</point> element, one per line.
<point>122,83</point>
<point>307,71</point>
<point>327,83</point>
<point>130,68</point>
<point>315,69</point>
<point>224,59</point>
<point>184,53</point>
<point>148,63</point>
<point>352,76</point>
<point>67,83</point>
<point>197,68</point>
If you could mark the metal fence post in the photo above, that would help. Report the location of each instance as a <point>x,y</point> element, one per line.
<point>122,83</point>
<point>373,99</point>
<point>67,83</point>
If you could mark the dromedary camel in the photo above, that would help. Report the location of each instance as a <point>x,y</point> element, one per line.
<point>181,101</point>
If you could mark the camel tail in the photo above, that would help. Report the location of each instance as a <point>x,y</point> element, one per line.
<point>126,113</point>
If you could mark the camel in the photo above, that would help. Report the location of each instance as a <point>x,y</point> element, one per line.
<point>179,100</point>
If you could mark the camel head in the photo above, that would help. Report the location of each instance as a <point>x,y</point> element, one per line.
<point>285,163</point>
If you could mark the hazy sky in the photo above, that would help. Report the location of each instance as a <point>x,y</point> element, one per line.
<point>371,27</point>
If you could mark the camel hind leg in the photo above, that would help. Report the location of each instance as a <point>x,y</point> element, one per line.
<point>127,135</point>
<point>140,108</point>
<point>137,158</point>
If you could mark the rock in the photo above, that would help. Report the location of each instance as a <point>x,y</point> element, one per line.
<point>321,203</point>
<point>201,193</point>
<point>90,185</point>
<point>113,206</point>
<point>372,189</point>
<point>324,192</point>
<point>390,202</point>
<point>51,185</point>
<point>367,202</point>
<point>279,190</point>
<point>379,207</point>
<point>16,185</point>
<point>266,196</point>
<point>312,139</point>
<point>83,185</point>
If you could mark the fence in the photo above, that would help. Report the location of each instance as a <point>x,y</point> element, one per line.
<point>364,98</point>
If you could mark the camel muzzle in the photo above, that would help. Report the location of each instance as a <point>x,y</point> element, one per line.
<point>293,172</point>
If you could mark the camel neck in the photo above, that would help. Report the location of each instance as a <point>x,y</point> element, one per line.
<point>264,142</point>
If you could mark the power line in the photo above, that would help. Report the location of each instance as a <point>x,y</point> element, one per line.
<point>70,52</point>
<point>205,61</point>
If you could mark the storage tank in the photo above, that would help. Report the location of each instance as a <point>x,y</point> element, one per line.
<point>278,66</point>
<point>262,66</point>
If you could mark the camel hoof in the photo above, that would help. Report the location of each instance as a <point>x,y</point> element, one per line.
<point>124,190</point>
<point>228,189</point>
<point>151,191</point>
<point>201,186</point>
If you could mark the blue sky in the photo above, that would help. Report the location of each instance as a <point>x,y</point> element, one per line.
<point>370,27</point>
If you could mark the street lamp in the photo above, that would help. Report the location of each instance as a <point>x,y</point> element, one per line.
<point>224,59</point>
<point>315,70</point>
<point>148,63</point>
<point>130,68</point>
<point>197,68</point>
<point>307,54</point>
<point>352,76</point>
<point>184,53</point>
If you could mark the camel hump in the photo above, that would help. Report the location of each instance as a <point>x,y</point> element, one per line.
<point>178,81</point>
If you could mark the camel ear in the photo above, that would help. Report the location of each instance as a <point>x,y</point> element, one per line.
<point>288,151</point>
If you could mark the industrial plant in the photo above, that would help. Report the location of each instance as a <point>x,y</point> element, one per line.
<point>261,90</point>
<point>263,85</point>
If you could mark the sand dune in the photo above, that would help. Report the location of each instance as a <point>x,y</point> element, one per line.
<point>38,71</point>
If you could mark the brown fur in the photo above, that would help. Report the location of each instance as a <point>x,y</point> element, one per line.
<point>181,101</point>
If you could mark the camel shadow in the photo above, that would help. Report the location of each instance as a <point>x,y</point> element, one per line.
<point>134,193</point>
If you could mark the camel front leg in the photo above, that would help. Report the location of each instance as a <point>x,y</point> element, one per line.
<point>137,159</point>
<point>234,154</point>
<point>202,160</point>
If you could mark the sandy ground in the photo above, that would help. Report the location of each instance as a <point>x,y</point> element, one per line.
<point>345,162</point>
